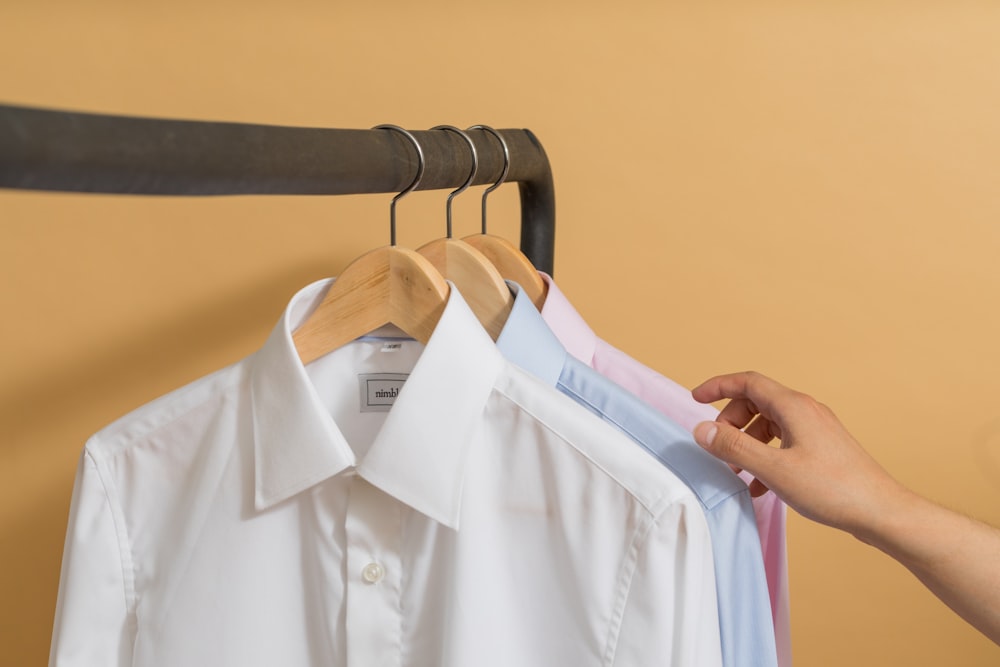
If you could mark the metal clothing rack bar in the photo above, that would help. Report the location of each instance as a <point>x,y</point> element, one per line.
<point>42,149</point>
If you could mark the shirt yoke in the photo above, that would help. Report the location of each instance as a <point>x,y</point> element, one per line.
<point>653,486</point>
<point>173,407</point>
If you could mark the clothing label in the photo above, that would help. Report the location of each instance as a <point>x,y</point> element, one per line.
<point>379,390</point>
<point>392,347</point>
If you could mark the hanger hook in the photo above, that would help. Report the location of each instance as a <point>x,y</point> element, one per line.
<point>411,186</point>
<point>472,174</point>
<point>506,165</point>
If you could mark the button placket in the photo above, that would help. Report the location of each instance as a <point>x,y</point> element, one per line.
<point>373,531</point>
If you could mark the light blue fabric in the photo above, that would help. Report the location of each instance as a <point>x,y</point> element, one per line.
<point>744,604</point>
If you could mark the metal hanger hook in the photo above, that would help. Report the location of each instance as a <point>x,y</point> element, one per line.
<point>411,186</point>
<point>472,174</point>
<point>506,165</point>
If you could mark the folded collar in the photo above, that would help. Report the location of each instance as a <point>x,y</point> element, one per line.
<point>528,342</point>
<point>418,456</point>
<point>567,324</point>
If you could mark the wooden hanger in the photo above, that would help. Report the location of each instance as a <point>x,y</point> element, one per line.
<point>388,285</point>
<point>481,285</point>
<point>511,263</point>
<point>477,279</point>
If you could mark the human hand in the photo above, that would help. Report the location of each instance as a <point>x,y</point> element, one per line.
<point>820,470</point>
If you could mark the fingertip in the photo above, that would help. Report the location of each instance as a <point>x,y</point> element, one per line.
<point>705,432</point>
<point>701,392</point>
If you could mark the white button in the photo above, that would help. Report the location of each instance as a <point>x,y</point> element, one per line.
<point>373,573</point>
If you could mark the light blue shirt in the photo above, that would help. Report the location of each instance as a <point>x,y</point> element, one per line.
<point>747,631</point>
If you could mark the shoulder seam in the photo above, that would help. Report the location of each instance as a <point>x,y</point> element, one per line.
<point>626,578</point>
<point>121,534</point>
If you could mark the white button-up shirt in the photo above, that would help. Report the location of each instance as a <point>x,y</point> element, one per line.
<point>389,504</point>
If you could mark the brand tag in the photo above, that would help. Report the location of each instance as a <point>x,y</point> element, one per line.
<point>379,390</point>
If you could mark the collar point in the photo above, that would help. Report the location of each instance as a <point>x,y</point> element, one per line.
<point>451,522</point>
<point>262,501</point>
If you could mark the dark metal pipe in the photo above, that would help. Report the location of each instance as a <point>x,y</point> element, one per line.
<point>42,149</point>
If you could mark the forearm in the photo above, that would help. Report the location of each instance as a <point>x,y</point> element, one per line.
<point>956,557</point>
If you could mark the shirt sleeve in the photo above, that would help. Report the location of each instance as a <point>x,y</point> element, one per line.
<point>92,621</point>
<point>671,614</point>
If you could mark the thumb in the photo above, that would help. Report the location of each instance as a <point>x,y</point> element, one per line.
<point>733,446</point>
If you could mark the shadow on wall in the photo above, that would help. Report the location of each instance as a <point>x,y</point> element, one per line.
<point>31,553</point>
<point>987,447</point>
<point>128,367</point>
<point>46,422</point>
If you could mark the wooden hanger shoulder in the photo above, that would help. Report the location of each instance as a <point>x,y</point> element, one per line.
<point>477,279</point>
<point>388,285</point>
<point>512,264</point>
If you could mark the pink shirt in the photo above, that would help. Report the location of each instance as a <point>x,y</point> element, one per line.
<point>676,402</point>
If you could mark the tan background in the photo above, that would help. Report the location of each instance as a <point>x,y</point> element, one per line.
<point>808,191</point>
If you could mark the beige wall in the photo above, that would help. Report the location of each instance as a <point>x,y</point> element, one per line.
<point>808,191</point>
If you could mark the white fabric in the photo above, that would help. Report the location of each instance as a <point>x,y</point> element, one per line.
<point>258,517</point>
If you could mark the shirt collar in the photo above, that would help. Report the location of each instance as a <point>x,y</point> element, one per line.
<point>567,324</point>
<point>418,456</point>
<point>528,342</point>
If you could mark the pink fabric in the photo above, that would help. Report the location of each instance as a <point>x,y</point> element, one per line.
<point>675,401</point>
